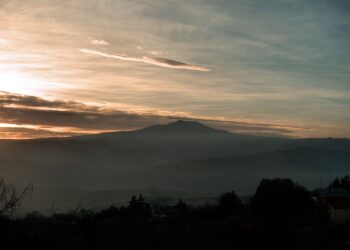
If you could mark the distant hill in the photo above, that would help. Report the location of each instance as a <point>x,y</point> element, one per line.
<point>180,156</point>
<point>309,166</point>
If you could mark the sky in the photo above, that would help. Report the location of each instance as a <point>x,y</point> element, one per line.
<point>265,67</point>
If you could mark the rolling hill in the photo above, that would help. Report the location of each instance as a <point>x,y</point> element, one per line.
<point>181,156</point>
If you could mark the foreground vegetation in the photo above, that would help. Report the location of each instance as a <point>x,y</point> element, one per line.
<point>281,215</point>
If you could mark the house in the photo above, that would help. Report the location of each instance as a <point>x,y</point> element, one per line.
<point>338,202</point>
<point>340,211</point>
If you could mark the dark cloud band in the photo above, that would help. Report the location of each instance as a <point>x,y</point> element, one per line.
<point>22,111</point>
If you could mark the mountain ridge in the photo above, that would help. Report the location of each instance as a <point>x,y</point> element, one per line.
<point>181,127</point>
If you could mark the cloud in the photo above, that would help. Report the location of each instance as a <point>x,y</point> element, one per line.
<point>27,101</point>
<point>155,53</point>
<point>100,42</point>
<point>161,62</point>
<point>261,70</point>
<point>36,117</point>
<point>3,41</point>
<point>32,132</point>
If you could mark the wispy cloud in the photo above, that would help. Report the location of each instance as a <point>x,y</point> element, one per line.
<point>157,61</point>
<point>100,42</point>
<point>266,71</point>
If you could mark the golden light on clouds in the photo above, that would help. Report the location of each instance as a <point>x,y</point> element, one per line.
<point>3,42</point>
<point>26,131</point>
<point>160,62</point>
<point>16,82</point>
<point>153,60</point>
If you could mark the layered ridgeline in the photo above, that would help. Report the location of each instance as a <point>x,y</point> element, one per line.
<point>179,159</point>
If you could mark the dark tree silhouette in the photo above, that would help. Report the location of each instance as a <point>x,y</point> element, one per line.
<point>343,183</point>
<point>181,206</point>
<point>204,227</point>
<point>229,202</point>
<point>280,201</point>
<point>9,199</point>
<point>138,207</point>
<point>335,183</point>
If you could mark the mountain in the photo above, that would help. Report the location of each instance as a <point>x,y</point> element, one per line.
<point>181,127</point>
<point>180,156</point>
<point>178,127</point>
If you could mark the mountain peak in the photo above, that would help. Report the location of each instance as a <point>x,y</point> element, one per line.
<point>181,126</point>
<point>186,123</point>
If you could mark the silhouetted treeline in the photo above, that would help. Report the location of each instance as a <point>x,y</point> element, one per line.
<point>343,183</point>
<point>281,215</point>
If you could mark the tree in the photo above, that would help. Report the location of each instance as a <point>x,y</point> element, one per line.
<point>281,201</point>
<point>343,183</point>
<point>138,207</point>
<point>229,202</point>
<point>335,184</point>
<point>9,199</point>
<point>181,206</point>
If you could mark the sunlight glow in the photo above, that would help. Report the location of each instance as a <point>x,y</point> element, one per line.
<point>20,83</point>
<point>27,131</point>
<point>3,41</point>
<point>8,125</point>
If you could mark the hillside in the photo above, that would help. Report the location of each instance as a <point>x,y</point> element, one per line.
<point>185,156</point>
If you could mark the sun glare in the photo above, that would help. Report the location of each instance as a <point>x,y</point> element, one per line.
<point>16,82</point>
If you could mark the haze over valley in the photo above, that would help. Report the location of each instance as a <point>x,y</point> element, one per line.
<point>164,161</point>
